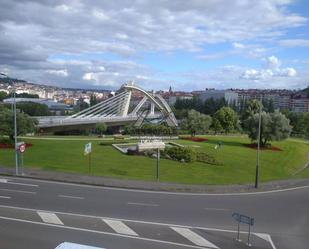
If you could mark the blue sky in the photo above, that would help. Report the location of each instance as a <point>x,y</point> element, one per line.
<point>191,45</point>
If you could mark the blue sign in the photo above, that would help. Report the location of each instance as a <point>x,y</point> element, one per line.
<point>243,219</point>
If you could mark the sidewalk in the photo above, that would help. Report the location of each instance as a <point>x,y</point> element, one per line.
<point>152,185</point>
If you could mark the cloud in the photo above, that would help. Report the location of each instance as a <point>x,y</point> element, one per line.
<point>272,69</point>
<point>33,31</point>
<point>60,72</point>
<point>294,43</point>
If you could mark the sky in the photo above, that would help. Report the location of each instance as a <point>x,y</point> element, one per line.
<point>189,45</point>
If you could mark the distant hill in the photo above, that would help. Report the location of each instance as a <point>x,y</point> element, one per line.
<point>10,81</point>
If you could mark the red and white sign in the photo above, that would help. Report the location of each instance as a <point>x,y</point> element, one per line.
<point>22,148</point>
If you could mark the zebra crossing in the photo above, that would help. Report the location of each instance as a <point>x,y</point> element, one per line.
<point>189,237</point>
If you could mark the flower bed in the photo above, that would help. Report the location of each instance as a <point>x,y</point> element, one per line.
<point>254,146</point>
<point>195,139</point>
<point>11,146</point>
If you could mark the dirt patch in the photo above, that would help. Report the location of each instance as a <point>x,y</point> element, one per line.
<point>254,146</point>
<point>195,139</point>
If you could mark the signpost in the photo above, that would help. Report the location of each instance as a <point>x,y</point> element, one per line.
<point>158,159</point>
<point>20,149</point>
<point>240,218</point>
<point>87,151</point>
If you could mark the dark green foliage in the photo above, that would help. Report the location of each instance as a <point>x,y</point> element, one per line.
<point>100,128</point>
<point>33,109</point>
<point>299,123</point>
<point>196,122</point>
<point>181,153</point>
<point>24,95</point>
<point>209,106</point>
<point>93,100</point>
<point>3,95</point>
<point>274,127</point>
<point>25,124</point>
<point>206,158</point>
<point>227,118</point>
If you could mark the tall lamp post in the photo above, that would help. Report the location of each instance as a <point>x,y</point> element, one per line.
<point>257,168</point>
<point>15,127</point>
<point>15,133</point>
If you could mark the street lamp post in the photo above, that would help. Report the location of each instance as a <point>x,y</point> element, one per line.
<point>15,134</point>
<point>257,169</point>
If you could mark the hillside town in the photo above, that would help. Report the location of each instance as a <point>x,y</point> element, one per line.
<point>66,98</point>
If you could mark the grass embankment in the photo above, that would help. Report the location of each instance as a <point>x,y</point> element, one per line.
<point>238,161</point>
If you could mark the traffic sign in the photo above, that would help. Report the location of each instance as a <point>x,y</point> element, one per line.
<point>22,148</point>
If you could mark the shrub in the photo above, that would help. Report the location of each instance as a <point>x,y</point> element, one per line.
<point>206,158</point>
<point>179,153</point>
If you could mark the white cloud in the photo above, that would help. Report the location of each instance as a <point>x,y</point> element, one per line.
<point>61,72</point>
<point>272,69</point>
<point>272,62</point>
<point>294,43</point>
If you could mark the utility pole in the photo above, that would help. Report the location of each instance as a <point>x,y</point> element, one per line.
<point>257,169</point>
<point>15,134</point>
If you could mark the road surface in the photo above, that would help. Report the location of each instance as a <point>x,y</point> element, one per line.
<point>42,214</point>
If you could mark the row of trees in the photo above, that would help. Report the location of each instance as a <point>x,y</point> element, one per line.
<point>274,126</point>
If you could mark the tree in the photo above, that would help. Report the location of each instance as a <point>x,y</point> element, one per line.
<point>196,122</point>
<point>274,127</point>
<point>25,124</point>
<point>33,109</point>
<point>93,100</point>
<point>3,95</point>
<point>227,119</point>
<point>216,126</point>
<point>100,128</point>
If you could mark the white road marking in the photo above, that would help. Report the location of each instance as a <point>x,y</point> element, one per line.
<point>50,218</point>
<point>120,227</point>
<point>102,232</point>
<point>194,237</point>
<point>3,180</point>
<point>72,197</point>
<point>167,192</point>
<point>142,204</point>
<point>18,191</point>
<point>266,237</point>
<point>217,209</point>
<point>5,197</point>
<point>22,184</point>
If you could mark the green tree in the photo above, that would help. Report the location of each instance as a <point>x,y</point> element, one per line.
<point>33,109</point>
<point>274,127</point>
<point>25,124</point>
<point>93,100</point>
<point>196,122</point>
<point>3,95</point>
<point>227,118</point>
<point>100,128</point>
<point>216,126</point>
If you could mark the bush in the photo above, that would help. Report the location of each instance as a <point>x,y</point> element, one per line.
<point>6,140</point>
<point>206,158</point>
<point>179,153</point>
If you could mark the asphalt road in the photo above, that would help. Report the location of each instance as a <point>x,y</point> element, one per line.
<point>38,214</point>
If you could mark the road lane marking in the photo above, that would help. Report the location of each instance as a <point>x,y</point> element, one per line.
<point>18,191</point>
<point>120,227</point>
<point>3,180</point>
<point>194,237</point>
<point>101,232</point>
<point>5,197</point>
<point>22,184</point>
<point>70,196</point>
<point>50,218</point>
<point>125,220</point>
<point>217,209</point>
<point>143,204</point>
<point>266,237</point>
<point>168,192</point>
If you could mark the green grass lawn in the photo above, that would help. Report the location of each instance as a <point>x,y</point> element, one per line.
<point>238,161</point>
